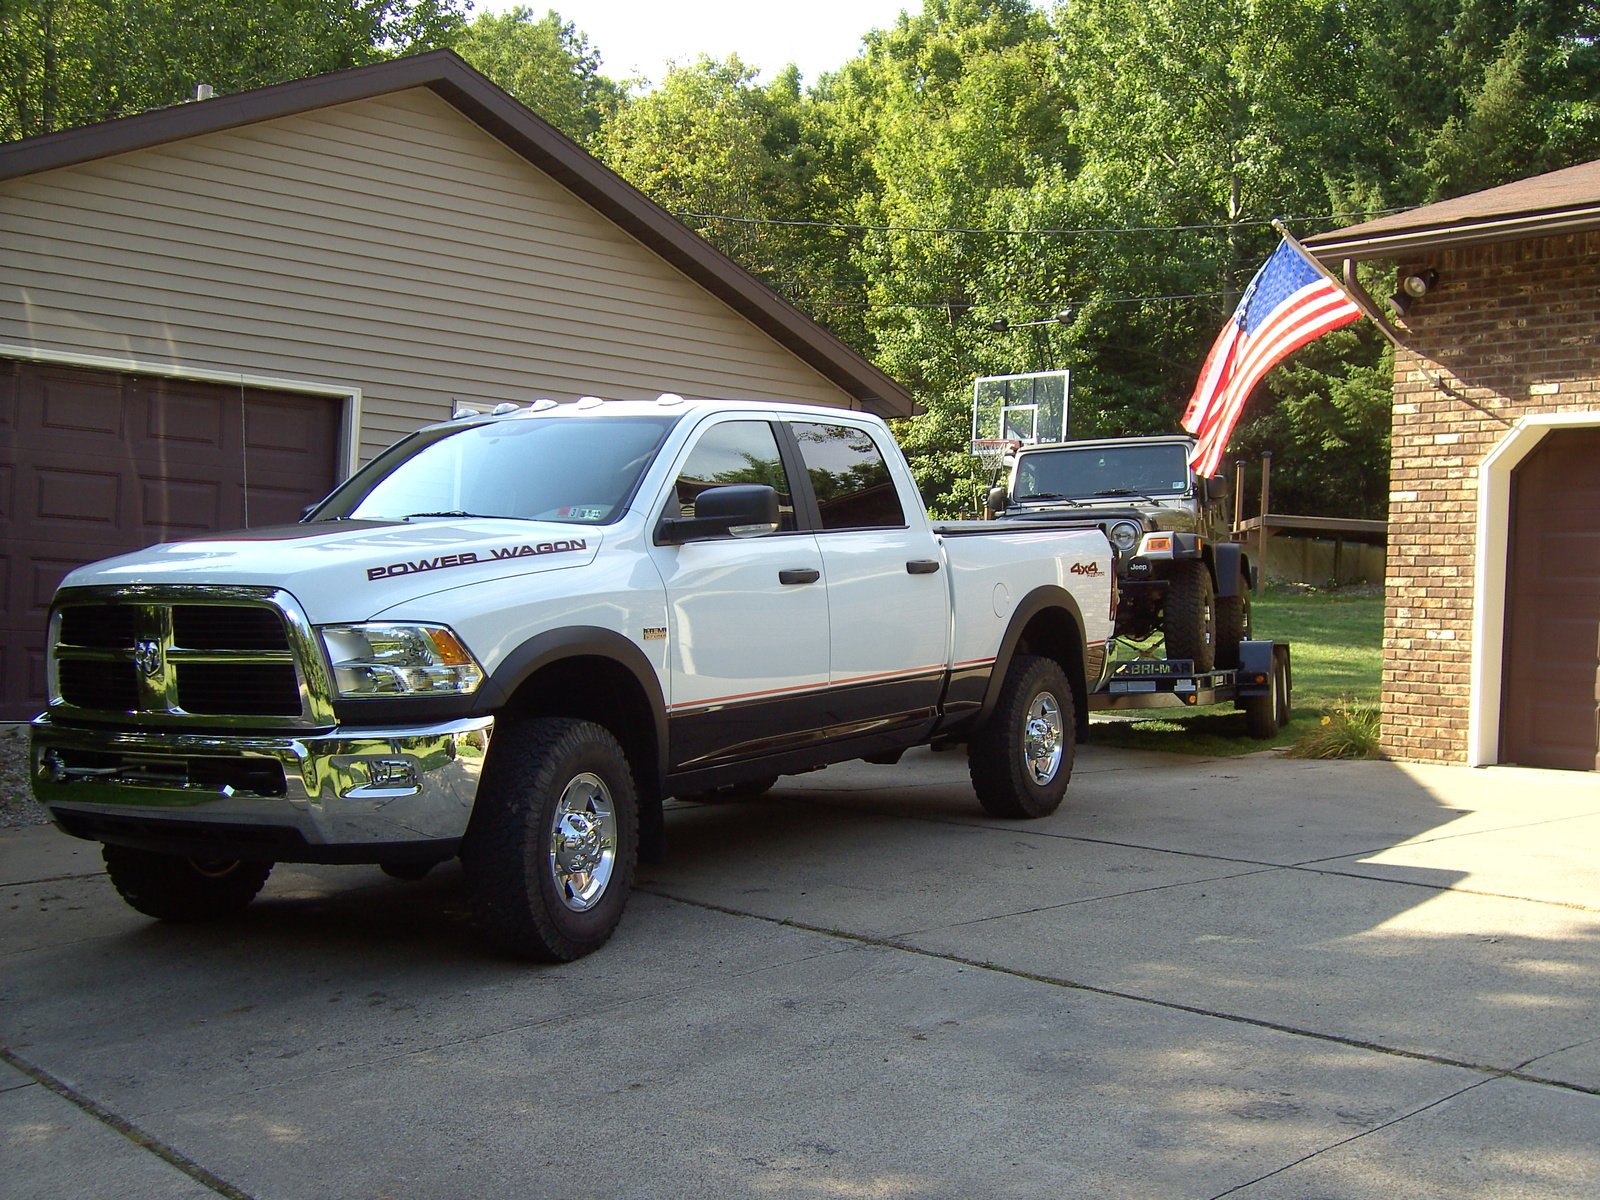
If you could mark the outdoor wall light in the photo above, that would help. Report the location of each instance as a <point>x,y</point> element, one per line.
<point>1413,288</point>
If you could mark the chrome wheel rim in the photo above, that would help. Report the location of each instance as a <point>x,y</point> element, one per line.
<point>1042,739</point>
<point>583,842</point>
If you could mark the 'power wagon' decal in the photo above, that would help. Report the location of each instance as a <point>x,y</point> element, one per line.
<point>467,558</point>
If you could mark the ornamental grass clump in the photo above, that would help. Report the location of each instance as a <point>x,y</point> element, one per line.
<point>1348,729</point>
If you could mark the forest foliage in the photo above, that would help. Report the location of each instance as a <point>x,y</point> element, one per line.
<point>989,186</point>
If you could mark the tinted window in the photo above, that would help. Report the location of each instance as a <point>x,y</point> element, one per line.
<point>736,452</point>
<point>852,482</point>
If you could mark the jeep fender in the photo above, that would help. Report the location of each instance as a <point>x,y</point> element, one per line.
<point>1228,567</point>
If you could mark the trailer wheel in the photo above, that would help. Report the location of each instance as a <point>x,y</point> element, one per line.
<point>1189,617</point>
<point>1233,624</point>
<point>1021,760</point>
<point>1265,715</point>
<point>171,887</point>
<point>550,851</point>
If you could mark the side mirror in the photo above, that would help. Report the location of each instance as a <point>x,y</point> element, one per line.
<point>1217,488</point>
<point>998,500</point>
<point>738,510</point>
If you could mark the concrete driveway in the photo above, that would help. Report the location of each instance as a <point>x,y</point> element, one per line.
<point>1253,977</point>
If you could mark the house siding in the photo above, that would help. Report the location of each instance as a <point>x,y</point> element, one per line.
<point>1512,330</point>
<point>388,246</point>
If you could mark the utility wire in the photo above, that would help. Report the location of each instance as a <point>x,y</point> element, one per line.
<point>815,223</point>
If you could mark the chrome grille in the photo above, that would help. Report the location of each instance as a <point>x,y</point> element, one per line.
<point>174,656</point>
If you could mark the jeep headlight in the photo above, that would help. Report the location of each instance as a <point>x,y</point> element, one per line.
<point>1124,536</point>
<point>399,660</point>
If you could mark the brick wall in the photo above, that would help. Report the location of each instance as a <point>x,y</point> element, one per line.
<point>1509,330</point>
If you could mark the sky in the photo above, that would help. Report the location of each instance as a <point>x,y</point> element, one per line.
<point>640,37</point>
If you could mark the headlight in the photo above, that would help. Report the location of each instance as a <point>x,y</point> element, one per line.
<point>399,660</point>
<point>1124,536</point>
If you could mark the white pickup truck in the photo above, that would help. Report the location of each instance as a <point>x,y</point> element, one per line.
<point>509,637</point>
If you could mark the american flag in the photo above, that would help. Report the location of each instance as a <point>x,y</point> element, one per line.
<point>1287,304</point>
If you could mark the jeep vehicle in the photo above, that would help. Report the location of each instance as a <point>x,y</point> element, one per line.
<point>1179,573</point>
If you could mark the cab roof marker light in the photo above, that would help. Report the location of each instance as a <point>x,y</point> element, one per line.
<point>588,402</point>
<point>504,407</point>
<point>544,405</point>
<point>668,399</point>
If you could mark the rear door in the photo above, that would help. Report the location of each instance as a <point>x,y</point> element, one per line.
<point>888,594</point>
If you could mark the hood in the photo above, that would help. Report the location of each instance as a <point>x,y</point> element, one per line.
<point>1119,509</point>
<point>352,569</point>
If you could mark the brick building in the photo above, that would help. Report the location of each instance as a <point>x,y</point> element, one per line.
<point>1492,626</point>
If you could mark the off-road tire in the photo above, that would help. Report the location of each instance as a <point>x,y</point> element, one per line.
<point>171,887</point>
<point>1189,616</point>
<point>1009,774</point>
<point>526,861</point>
<point>1233,625</point>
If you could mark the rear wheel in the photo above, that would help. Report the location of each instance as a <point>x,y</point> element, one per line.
<point>1021,760</point>
<point>1233,624</point>
<point>170,887</point>
<point>1189,616</point>
<point>550,853</point>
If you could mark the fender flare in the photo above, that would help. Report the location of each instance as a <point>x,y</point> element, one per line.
<point>1228,567</point>
<point>578,641</point>
<point>1042,599</point>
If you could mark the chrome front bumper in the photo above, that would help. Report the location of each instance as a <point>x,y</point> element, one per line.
<point>348,795</point>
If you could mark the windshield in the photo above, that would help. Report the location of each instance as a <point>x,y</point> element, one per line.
<point>1154,469</point>
<point>577,470</point>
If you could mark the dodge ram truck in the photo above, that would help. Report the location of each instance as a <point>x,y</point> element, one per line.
<point>509,637</point>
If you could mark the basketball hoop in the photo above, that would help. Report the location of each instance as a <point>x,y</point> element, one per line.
<point>991,452</point>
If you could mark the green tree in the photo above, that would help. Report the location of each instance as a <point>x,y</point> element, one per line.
<point>73,62</point>
<point>547,64</point>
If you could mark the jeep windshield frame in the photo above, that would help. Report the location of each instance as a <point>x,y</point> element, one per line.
<point>1103,472</point>
<point>582,470</point>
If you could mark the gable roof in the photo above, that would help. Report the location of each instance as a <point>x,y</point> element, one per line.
<point>1565,201</point>
<point>524,132</point>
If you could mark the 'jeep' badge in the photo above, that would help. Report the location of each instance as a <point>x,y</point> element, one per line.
<point>147,657</point>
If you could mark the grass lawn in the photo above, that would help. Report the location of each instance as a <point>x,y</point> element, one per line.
<point>1336,653</point>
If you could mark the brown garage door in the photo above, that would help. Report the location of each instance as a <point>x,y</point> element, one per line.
<point>1549,716</point>
<point>95,463</point>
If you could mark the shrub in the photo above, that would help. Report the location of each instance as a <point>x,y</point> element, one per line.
<point>1348,729</point>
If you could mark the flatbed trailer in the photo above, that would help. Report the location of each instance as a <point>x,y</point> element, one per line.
<point>1260,686</point>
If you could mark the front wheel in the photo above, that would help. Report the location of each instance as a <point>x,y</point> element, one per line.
<point>550,852</point>
<point>1021,760</point>
<point>170,887</point>
<point>1189,616</point>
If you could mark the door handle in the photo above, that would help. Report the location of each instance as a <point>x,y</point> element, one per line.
<point>922,566</point>
<point>799,575</point>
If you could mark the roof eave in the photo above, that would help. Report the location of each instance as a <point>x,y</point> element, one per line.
<point>1400,243</point>
<point>503,117</point>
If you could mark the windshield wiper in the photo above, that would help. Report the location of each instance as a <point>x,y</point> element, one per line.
<point>453,513</point>
<point>1128,492</point>
<point>1051,496</point>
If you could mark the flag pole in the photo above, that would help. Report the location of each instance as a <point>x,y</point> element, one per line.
<point>1357,294</point>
